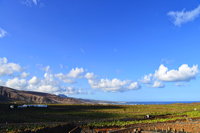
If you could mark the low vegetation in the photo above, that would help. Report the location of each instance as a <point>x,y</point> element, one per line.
<point>92,115</point>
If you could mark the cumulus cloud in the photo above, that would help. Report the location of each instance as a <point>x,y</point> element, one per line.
<point>70,77</point>
<point>17,83</point>
<point>75,72</point>
<point>113,85</point>
<point>34,80</point>
<point>3,33</point>
<point>89,75</point>
<point>147,79</point>
<point>7,68</point>
<point>48,88</point>
<point>183,74</point>
<point>3,60</point>
<point>158,84</point>
<point>50,84</point>
<point>47,84</point>
<point>110,85</point>
<point>14,76</point>
<point>24,75</point>
<point>181,17</point>
<point>64,78</point>
<point>134,85</point>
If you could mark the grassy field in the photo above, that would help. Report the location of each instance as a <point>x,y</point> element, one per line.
<point>93,115</point>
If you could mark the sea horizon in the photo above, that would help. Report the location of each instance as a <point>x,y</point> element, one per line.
<point>155,102</point>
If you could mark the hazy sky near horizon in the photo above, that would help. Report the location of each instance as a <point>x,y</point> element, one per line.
<point>119,50</point>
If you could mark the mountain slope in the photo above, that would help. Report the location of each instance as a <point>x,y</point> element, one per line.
<point>12,95</point>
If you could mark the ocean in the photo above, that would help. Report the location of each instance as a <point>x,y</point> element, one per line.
<point>157,102</point>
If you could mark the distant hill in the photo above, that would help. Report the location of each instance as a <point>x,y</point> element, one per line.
<point>62,95</point>
<point>12,95</point>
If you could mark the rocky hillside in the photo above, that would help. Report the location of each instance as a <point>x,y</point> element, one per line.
<point>12,95</point>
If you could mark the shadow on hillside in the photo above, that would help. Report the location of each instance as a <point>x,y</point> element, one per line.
<point>55,113</point>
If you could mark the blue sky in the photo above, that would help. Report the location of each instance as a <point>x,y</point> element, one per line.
<point>102,49</point>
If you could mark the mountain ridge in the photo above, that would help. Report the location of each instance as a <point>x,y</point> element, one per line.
<point>12,95</point>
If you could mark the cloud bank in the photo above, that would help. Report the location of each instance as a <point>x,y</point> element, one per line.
<point>14,75</point>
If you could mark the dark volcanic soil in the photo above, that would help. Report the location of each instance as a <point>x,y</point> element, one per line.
<point>192,126</point>
<point>59,129</point>
<point>181,126</point>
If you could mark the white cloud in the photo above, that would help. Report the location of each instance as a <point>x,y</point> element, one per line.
<point>3,60</point>
<point>70,77</point>
<point>64,78</point>
<point>75,73</point>
<point>34,80</point>
<point>49,83</point>
<point>8,68</point>
<point>181,17</point>
<point>184,73</point>
<point>89,75</point>
<point>48,88</point>
<point>48,77</point>
<point>158,84</point>
<point>147,79</point>
<point>31,2</point>
<point>16,83</point>
<point>112,85</point>
<point>59,83</point>
<point>134,85</point>
<point>3,33</point>
<point>24,75</point>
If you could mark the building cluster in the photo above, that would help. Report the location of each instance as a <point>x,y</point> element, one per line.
<point>27,106</point>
